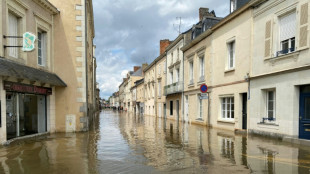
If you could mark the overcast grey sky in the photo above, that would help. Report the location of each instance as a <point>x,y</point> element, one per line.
<point>128,32</point>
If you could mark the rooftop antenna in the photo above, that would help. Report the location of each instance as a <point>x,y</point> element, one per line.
<point>178,25</point>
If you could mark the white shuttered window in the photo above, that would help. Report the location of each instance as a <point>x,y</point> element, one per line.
<point>13,31</point>
<point>287,26</point>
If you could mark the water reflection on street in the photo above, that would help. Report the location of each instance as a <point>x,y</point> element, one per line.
<point>122,143</point>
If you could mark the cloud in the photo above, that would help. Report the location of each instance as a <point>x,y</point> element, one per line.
<point>128,32</point>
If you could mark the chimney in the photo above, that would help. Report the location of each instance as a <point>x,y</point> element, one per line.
<point>163,45</point>
<point>143,67</point>
<point>136,68</point>
<point>203,12</point>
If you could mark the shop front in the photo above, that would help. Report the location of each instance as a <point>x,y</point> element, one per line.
<point>26,109</point>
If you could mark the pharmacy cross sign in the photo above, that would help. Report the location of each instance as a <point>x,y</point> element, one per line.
<point>28,41</point>
<point>203,88</point>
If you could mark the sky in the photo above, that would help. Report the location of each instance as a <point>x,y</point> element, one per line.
<point>128,32</point>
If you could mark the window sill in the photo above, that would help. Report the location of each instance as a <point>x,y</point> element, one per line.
<point>226,121</point>
<point>284,56</point>
<point>191,85</point>
<point>201,82</point>
<point>229,70</point>
<point>199,119</point>
<point>268,124</point>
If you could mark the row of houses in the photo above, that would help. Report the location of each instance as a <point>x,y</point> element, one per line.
<point>47,67</point>
<point>255,62</point>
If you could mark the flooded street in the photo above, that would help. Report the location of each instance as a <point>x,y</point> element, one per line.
<point>121,143</point>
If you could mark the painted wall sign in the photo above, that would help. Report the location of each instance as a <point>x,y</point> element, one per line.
<point>22,88</point>
<point>203,88</point>
<point>28,41</point>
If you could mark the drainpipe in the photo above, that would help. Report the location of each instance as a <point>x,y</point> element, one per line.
<point>183,82</point>
<point>86,63</point>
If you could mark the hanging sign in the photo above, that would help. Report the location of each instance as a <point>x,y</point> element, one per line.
<point>28,41</point>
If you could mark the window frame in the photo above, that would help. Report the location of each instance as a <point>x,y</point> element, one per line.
<point>14,41</point>
<point>231,57</point>
<point>191,72</point>
<point>44,53</point>
<point>224,111</point>
<point>200,107</point>
<point>290,40</point>
<point>202,67</point>
<point>274,104</point>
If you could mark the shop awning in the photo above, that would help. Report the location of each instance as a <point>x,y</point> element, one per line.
<point>13,69</point>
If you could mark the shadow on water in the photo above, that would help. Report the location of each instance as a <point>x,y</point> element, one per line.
<point>118,142</point>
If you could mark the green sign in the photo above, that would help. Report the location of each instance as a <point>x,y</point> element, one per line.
<point>28,41</point>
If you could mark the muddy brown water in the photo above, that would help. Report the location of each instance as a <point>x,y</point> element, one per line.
<point>123,143</point>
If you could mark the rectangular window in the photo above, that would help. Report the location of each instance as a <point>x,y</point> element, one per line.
<point>200,107</point>
<point>165,69</point>
<point>171,107</point>
<point>287,33</point>
<point>202,68</point>
<point>191,72</point>
<point>271,101</point>
<point>177,75</point>
<point>159,88</point>
<point>159,69</point>
<point>228,108</point>
<point>13,31</point>
<point>231,55</point>
<point>171,77</point>
<point>42,48</point>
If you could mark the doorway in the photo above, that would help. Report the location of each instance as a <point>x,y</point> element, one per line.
<point>244,111</point>
<point>304,109</point>
<point>178,110</point>
<point>26,114</point>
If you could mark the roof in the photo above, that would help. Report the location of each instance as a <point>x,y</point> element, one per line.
<point>13,69</point>
<point>137,73</point>
<point>228,18</point>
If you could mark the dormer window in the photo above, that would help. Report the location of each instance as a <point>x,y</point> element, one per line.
<point>233,5</point>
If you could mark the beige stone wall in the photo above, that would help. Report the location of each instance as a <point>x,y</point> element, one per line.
<point>271,11</point>
<point>33,17</point>
<point>150,91</point>
<point>140,93</point>
<point>3,113</point>
<point>70,63</point>
<point>161,77</point>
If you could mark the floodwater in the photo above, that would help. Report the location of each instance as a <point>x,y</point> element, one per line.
<point>122,143</point>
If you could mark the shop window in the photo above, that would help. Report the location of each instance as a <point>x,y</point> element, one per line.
<point>228,108</point>
<point>287,33</point>
<point>42,48</point>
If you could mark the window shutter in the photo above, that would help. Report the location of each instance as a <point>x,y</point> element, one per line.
<point>268,38</point>
<point>303,30</point>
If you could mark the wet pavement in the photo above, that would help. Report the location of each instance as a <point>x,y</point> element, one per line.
<point>122,143</point>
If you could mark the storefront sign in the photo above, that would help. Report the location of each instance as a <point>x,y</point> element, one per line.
<point>22,88</point>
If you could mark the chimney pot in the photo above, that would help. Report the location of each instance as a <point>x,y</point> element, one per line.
<point>163,45</point>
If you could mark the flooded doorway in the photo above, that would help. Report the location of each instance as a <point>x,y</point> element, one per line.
<point>26,114</point>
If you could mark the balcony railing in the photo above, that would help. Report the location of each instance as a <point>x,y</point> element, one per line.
<point>173,88</point>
